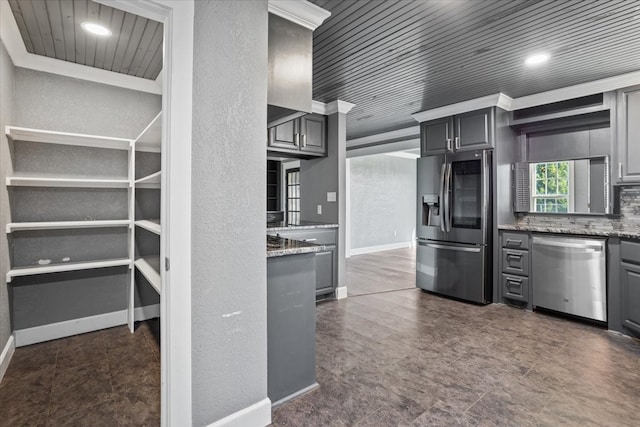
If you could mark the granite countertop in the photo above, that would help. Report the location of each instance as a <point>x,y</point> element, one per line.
<point>299,225</point>
<point>628,232</point>
<point>279,246</point>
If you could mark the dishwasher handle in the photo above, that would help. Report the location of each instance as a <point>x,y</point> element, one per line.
<point>570,245</point>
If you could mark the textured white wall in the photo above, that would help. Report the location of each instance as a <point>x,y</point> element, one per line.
<point>229,325</point>
<point>7,83</point>
<point>383,200</point>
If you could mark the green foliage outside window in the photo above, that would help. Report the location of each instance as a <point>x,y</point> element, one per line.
<point>552,187</point>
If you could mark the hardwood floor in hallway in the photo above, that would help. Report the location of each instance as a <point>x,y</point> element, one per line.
<point>409,358</point>
<point>381,271</point>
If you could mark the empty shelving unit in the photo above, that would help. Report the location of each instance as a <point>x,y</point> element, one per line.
<point>73,225</point>
<point>146,209</point>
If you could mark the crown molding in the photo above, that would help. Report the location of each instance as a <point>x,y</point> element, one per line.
<point>576,91</point>
<point>300,12</point>
<point>497,100</point>
<point>17,51</point>
<point>406,133</point>
<point>332,107</point>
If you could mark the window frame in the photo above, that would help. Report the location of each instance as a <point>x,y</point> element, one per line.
<point>570,195</point>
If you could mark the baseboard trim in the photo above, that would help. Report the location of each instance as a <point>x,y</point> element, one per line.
<point>258,414</point>
<point>295,395</point>
<point>341,292</point>
<point>82,325</point>
<point>6,355</point>
<point>380,248</point>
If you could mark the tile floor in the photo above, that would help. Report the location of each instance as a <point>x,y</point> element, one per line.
<point>408,358</point>
<point>381,271</point>
<point>396,357</point>
<point>105,378</point>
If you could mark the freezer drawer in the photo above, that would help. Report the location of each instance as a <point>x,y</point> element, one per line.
<point>454,270</point>
<point>569,275</point>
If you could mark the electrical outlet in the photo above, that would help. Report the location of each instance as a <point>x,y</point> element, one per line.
<point>331,196</point>
<point>319,209</point>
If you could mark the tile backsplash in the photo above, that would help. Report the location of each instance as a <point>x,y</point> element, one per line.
<point>629,216</point>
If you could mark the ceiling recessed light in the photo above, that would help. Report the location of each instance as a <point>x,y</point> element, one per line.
<point>537,59</point>
<point>96,29</point>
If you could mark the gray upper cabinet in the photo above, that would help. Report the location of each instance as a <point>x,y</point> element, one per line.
<point>473,130</point>
<point>284,135</point>
<point>313,135</point>
<point>629,135</point>
<point>436,136</point>
<point>302,137</point>
<point>468,131</point>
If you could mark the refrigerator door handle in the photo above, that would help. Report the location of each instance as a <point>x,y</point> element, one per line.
<point>443,173</point>
<point>448,197</point>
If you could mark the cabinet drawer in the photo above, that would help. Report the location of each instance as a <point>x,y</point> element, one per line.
<point>317,236</point>
<point>630,251</point>
<point>515,287</point>
<point>515,240</point>
<point>515,261</point>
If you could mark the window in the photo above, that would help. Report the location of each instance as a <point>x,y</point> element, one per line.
<point>552,184</point>
<point>293,196</point>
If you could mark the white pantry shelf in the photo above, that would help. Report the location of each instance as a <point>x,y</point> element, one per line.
<point>152,225</point>
<point>70,266</point>
<point>24,181</point>
<point>149,181</point>
<point>62,225</point>
<point>66,138</point>
<point>149,266</point>
<point>150,138</point>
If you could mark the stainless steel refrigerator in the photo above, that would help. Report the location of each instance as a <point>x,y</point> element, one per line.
<point>454,225</point>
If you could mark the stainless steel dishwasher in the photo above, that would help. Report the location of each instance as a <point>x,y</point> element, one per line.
<point>569,275</point>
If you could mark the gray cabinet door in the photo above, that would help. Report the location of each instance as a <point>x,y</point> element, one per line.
<point>325,271</point>
<point>473,130</point>
<point>285,135</point>
<point>630,287</point>
<point>436,136</point>
<point>629,134</point>
<point>313,137</point>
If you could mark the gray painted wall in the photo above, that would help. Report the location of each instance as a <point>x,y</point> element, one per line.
<point>229,307</point>
<point>317,177</point>
<point>383,200</point>
<point>53,102</point>
<point>7,104</point>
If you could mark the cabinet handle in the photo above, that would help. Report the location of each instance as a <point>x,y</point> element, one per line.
<point>620,170</point>
<point>304,140</point>
<point>516,256</point>
<point>514,281</point>
<point>448,144</point>
<point>296,139</point>
<point>517,242</point>
<point>457,144</point>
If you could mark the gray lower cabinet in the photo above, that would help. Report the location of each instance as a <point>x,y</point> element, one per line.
<point>630,285</point>
<point>326,261</point>
<point>514,267</point>
<point>291,327</point>
<point>628,169</point>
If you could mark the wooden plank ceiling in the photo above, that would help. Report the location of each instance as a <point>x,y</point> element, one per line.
<point>394,58</point>
<point>52,28</point>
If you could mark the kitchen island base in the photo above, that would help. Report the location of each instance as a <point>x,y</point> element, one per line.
<point>291,326</point>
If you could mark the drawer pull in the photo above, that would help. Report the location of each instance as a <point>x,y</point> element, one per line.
<point>514,256</point>
<point>516,242</point>
<point>514,281</point>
